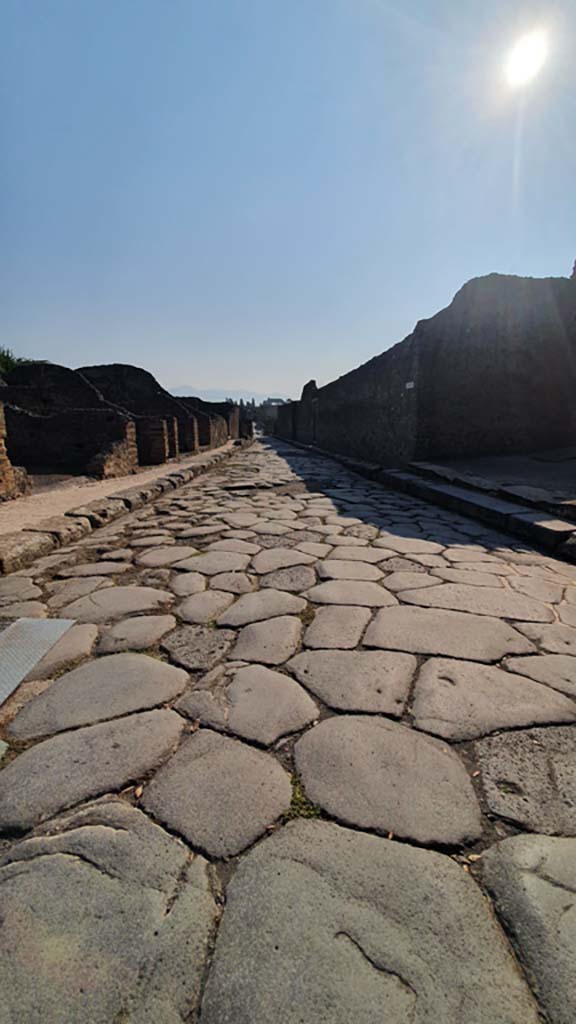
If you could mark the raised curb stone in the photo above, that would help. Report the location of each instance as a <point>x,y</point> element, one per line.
<point>248,788</point>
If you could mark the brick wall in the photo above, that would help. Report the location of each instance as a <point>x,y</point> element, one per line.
<point>96,442</point>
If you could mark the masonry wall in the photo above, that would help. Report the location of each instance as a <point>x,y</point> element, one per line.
<point>494,372</point>
<point>7,476</point>
<point>98,443</point>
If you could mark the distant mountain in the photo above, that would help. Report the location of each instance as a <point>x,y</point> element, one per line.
<point>220,394</point>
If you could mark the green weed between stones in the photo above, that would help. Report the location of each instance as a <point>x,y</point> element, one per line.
<point>300,805</point>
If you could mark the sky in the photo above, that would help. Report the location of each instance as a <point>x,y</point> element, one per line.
<point>247,194</point>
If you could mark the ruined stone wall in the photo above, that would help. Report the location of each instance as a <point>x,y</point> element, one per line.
<point>97,442</point>
<point>493,372</point>
<point>7,476</point>
<point>152,440</point>
<point>212,427</point>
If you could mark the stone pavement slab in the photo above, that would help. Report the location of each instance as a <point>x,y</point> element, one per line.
<point>198,647</point>
<point>116,602</point>
<point>253,702</point>
<point>118,914</point>
<point>210,772</point>
<point>455,634</point>
<point>354,767</point>
<point>529,777</point>
<point>76,644</point>
<point>533,881</point>
<point>82,764</point>
<point>461,700</point>
<point>328,926</point>
<point>337,626</point>
<point>494,601</point>
<point>205,607</point>
<point>376,681</point>
<point>351,592</point>
<point>134,634</point>
<point>266,604</point>
<point>271,642</point>
<point>556,670</point>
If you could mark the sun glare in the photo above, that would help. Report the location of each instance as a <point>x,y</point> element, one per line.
<point>526,58</point>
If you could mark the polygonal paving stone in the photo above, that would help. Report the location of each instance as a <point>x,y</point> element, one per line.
<point>136,633</point>
<point>85,763</point>
<point>468,577</point>
<point>359,554</point>
<point>314,548</point>
<point>455,634</point>
<point>240,546</point>
<point>271,642</point>
<point>165,556</point>
<point>204,607</point>
<point>24,610</point>
<point>356,767</point>
<point>280,558</point>
<point>532,880</point>
<point>399,581</point>
<point>233,582</point>
<point>213,562</point>
<point>333,569</point>
<point>63,592</point>
<point>555,670</point>
<point>101,689</point>
<point>337,626</point>
<point>409,545</point>
<point>557,638</point>
<point>541,590</point>
<point>460,700</point>
<point>376,681</point>
<point>529,777</point>
<point>219,793</point>
<point>184,584</point>
<point>351,592</point>
<point>202,531</point>
<point>495,601</point>
<point>198,647</point>
<point>94,569</point>
<point>567,615</point>
<point>253,702</point>
<point>17,588</point>
<point>77,643</point>
<point>124,909</point>
<point>265,604</point>
<point>323,924</point>
<point>116,602</point>
<point>347,541</point>
<point>296,579</point>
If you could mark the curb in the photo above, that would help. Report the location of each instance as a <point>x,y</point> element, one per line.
<point>20,548</point>
<point>523,521</point>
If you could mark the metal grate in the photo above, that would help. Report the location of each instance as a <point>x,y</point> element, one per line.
<point>22,645</point>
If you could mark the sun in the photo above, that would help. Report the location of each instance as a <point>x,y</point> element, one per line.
<point>526,58</point>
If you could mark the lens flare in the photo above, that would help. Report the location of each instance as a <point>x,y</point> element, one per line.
<point>526,58</point>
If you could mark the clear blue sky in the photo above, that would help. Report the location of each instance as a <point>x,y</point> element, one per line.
<point>250,193</point>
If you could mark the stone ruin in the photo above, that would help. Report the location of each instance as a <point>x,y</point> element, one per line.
<point>102,421</point>
<point>493,373</point>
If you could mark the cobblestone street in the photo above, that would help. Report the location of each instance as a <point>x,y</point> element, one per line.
<point>307,756</point>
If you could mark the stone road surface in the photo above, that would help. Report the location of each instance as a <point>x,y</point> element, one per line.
<point>308,756</point>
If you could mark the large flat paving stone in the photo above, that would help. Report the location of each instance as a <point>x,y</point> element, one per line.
<point>116,602</point>
<point>351,592</point>
<point>213,562</point>
<point>233,582</point>
<point>106,918</point>
<point>555,639</point>
<point>254,703</point>
<point>328,926</point>
<point>359,554</point>
<point>165,556</point>
<point>556,670</point>
<point>533,882</point>
<point>82,764</point>
<point>377,681</point>
<point>280,558</point>
<point>205,607</point>
<point>333,569</point>
<point>94,569</point>
<point>382,776</point>
<point>184,584</point>
<point>198,647</point>
<point>296,579</point>
<point>529,777</point>
<point>135,634</point>
<point>265,604</point>
<point>24,610</point>
<point>63,592</point>
<point>219,793</point>
<point>495,601</point>
<point>17,588</point>
<point>455,634</point>
<point>461,700</point>
<point>271,642</point>
<point>104,688</point>
<point>337,626</point>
